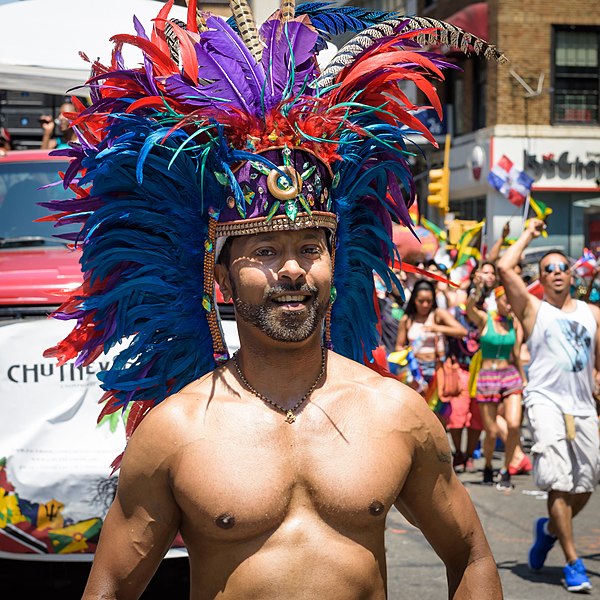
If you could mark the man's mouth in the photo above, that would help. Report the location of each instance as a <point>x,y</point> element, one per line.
<point>292,301</point>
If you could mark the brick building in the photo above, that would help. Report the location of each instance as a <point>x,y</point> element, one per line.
<point>541,110</point>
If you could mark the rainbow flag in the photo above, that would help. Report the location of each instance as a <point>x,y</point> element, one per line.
<point>432,397</point>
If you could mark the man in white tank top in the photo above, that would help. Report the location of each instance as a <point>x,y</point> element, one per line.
<point>563,337</point>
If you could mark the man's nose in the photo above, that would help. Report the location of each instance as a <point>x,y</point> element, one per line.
<point>292,268</point>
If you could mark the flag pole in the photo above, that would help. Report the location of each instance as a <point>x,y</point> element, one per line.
<point>483,234</point>
<point>526,211</point>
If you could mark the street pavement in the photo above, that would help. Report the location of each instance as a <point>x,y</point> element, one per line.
<point>414,570</point>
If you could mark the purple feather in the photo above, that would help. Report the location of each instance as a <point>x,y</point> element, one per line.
<point>399,206</point>
<point>222,40</point>
<point>141,32</point>
<point>229,80</point>
<point>288,57</point>
<point>189,95</point>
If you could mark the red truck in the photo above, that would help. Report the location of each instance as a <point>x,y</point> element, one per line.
<point>55,482</point>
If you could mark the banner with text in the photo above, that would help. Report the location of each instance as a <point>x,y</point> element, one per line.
<point>55,483</point>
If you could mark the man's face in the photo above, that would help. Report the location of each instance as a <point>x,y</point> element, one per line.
<point>280,282</point>
<point>555,273</point>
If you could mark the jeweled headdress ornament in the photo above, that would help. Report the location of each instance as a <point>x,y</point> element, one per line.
<point>227,130</point>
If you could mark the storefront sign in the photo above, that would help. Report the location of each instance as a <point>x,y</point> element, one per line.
<point>563,166</point>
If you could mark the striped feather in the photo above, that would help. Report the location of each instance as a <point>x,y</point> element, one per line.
<point>172,39</point>
<point>434,32</point>
<point>246,25</point>
<point>288,10</point>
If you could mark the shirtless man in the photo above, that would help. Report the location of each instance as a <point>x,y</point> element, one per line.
<point>269,509</point>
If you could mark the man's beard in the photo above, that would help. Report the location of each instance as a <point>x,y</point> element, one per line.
<point>282,325</point>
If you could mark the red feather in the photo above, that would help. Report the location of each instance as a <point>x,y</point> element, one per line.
<point>192,21</point>
<point>385,60</point>
<point>136,414</point>
<point>187,52</point>
<point>150,101</point>
<point>412,269</point>
<point>161,61</point>
<point>158,31</point>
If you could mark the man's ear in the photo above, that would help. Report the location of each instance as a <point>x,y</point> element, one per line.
<point>222,279</point>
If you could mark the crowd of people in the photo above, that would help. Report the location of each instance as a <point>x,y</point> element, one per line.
<point>473,328</point>
<point>520,361</point>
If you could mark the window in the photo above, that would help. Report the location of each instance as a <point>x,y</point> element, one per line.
<point>479,91</point>
<point>471,209</point>
<point>576,76</point>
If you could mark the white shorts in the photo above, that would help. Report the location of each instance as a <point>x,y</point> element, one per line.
<point>561,464</point>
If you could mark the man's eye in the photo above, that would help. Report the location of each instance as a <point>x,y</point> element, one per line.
<point>312,250</point>
<point>264,252</point>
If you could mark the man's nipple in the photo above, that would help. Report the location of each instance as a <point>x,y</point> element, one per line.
<point>376,508</point>
<point>225,521</point>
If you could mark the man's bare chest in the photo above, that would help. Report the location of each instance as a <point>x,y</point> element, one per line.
<point>248,484</point>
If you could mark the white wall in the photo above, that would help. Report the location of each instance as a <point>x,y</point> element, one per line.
<point>263,9</point>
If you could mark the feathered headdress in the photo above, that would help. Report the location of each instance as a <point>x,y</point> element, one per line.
<point>228,130</point>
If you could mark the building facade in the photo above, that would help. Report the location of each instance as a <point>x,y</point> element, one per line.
<point>540,110</point>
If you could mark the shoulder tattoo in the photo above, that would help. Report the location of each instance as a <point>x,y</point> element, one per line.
<point>445,457</point>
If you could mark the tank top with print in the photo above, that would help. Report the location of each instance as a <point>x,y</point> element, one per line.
<point>562,348</point>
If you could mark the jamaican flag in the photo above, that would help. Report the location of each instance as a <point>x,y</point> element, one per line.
<point>538,210</point>
<point>469,245</point>
<point>439,233</point>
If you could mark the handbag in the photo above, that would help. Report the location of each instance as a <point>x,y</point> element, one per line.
<point>447,377</point>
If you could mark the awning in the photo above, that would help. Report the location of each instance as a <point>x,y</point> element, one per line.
<point>473,18</point>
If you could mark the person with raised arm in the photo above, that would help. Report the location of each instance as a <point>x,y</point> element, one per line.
<point>563,336</point>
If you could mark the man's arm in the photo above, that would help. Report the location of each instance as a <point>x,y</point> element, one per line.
<point>142,521</point>
<point>435,501</point>
<point>524,304</point>
<point>596,312</point>
<point>517,351</point>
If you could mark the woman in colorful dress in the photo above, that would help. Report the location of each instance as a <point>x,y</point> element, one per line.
<point>500,379</point>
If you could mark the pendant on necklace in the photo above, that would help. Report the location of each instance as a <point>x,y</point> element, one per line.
<point>290,417</point>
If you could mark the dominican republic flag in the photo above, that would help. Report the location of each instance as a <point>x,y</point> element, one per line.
<point>587,264</point>
<point>513,184</point>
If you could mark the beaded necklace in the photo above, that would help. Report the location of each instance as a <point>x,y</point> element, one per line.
<point>290,416</point>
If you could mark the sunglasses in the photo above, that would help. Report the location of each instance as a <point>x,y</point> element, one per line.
<point>561,266</point>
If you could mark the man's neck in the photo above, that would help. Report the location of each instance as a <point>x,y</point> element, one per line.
<point>562,300</point>
<point>281,372</point>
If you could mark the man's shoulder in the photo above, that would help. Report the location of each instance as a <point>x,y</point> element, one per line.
<point>595,310</point>
<point>369,386</point>
<point>176,407</point>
